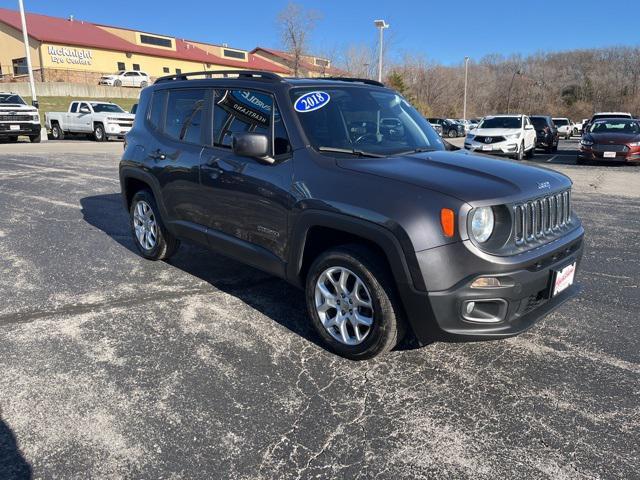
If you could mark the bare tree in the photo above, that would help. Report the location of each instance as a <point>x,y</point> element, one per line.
<point>296,23</point>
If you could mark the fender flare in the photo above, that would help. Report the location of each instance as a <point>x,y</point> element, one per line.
<point>127,173</point>
<point>394,243</point>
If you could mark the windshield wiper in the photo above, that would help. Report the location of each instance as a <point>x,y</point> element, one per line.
<point>350,151</point>
<point>416,150</point>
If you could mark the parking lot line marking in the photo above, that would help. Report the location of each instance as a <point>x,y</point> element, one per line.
<point>552,158</point>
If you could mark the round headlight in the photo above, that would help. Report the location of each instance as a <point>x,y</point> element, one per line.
<point>482,224</point>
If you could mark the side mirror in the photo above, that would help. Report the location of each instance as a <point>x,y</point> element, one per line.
<point>529,127</point>
<point>84,110</point>
<point>254,145</point>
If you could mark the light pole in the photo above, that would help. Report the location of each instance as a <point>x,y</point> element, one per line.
<point>25,35</point>
<point>466,76</point>
<point>381,25</point>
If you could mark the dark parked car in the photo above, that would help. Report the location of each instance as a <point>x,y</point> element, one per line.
<point>340,187</point>
<point>449,129</point>
<point>611,140</point>
<point>547,136</point>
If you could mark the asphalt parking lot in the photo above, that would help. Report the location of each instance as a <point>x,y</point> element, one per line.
<point>115,367</point>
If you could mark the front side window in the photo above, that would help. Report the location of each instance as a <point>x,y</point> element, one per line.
<point>74,107</point>
<point>501,122</point>
<point>350,118</point>
<point>184,114</point>
<point>240,111</point>
<point>106,108</point>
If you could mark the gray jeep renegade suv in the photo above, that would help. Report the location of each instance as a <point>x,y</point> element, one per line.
<point>342,188</point>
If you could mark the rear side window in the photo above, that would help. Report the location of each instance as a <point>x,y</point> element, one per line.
<point>156,108</point>
<point>184,114</point>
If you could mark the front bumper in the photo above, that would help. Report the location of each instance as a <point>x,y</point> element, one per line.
<point>6,129</point>
<point>526,298</point>
<point>116,130</point>
<point>632,156</point>
<point>108,82</point>
<point>508,147</point>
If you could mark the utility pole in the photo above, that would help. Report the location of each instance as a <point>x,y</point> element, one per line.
<point>25,35</point>
<point>381,25</point>
<point>517,72</point>
<point>466,76</point>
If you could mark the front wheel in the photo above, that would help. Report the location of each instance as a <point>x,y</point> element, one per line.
<point>98,133</point>
<point>56,132</point>
<point>144,84</point>
<point>452,133</point>
<point>35,138</point>
<point>117,83</point>
<point>519,155</point>
<point>351,299</point>
<point>531,153</point>
<point>152,239</point>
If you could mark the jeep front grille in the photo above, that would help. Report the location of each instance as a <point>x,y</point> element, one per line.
<point>542,217</point>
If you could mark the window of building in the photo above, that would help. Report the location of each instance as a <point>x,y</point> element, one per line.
<point>184,114</point>
<point>156,41</point>
<point>239,111</point>
<point>321,62</point>
<point>156,108</point>
<point>178,71</point>
<point>136,67</point>
<point>20,66</point>
<point>234,54</point>
<point>165,69</point>
<point>121,66</point>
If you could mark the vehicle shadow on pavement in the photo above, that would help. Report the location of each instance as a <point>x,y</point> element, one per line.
<point>13,466</point>
<point>269,295</point>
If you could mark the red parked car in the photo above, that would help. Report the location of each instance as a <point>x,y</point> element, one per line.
<point>611,139</point>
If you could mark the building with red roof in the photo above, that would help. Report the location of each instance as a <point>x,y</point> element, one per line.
<point>80,51</point>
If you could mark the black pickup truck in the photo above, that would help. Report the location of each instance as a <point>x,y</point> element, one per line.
<point>342,188</point>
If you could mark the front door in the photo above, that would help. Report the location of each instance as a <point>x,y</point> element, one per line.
<point>84,121</point>
<point>247,199</point>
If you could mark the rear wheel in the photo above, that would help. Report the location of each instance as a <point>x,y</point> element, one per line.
<point>56,132</point>
<point>452,133</point>
<point>351,299</point>
<point>143,84</point>
<point>152,239</point>
<point>117,83</point>
<point>35,138</point>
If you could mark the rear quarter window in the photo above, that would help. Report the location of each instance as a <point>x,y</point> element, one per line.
<point>156,109</point>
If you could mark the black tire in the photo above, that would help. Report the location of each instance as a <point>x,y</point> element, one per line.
<point>56,132</point>
<point>387,328</point>
<point>580,161</point>
<point>531,153</point>
<point>117,83</point>
<point>554,149</point>
<point>13,139</point>
<point>452,133</point>
<point>166,244</point>
<point>35,138</point>
<point>519,155</point>
<point>98,133</point>
<point>144,84</point>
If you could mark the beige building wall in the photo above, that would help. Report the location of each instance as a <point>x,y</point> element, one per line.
<point>11,46</point>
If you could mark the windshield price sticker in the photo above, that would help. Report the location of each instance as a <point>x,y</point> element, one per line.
<point>311,101</point>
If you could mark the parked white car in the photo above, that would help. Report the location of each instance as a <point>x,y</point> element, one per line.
<point>126,78</point>
<point>509,135</point>
<point>565,129</point>
<point>101,120</point>
<point>17,118</point>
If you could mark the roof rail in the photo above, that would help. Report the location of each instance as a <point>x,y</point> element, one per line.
<point>355,80</point>
<point>208,73</point>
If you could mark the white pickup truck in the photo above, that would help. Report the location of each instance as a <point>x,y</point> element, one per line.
<point>17,118</point>
<point>101,120</point>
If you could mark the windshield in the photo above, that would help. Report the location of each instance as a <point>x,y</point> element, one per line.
<point>106,108</point>
<point>627,127</point>
<point>608,115</point>
<point>560,122</point>
<point>11,99</point>
<point>367,120</point>
<point>501,122</point>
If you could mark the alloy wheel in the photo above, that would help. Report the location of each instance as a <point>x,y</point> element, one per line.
<point>344,305</point>
<point>145,225</point>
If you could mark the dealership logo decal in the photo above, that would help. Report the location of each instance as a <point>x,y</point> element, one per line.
<point>76,56</point>
<point>543,185</point>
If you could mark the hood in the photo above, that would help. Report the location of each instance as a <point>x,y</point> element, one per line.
<point>8,107</point>
<point>495,132</point>
<point>110,77</point>
<point>615,138</point>
<point>475,179</point>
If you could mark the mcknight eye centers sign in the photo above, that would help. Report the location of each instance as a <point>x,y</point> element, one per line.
<point>76,56</point>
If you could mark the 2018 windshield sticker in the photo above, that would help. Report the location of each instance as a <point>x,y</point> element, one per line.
<point>311,101</point>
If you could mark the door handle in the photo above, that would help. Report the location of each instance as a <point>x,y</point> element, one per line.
<point>158,155</point>
<point>214,168</point>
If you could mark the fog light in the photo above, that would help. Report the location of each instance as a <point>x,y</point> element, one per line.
<point>470,306</point>
<point>486,282</point>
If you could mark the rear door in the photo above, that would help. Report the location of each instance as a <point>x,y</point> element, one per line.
<point>177,119</point>
<point>246,198</point>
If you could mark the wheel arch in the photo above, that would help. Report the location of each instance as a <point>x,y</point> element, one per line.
<point>133,180</point>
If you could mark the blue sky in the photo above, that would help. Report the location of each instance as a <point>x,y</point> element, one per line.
<point>431,28</point>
